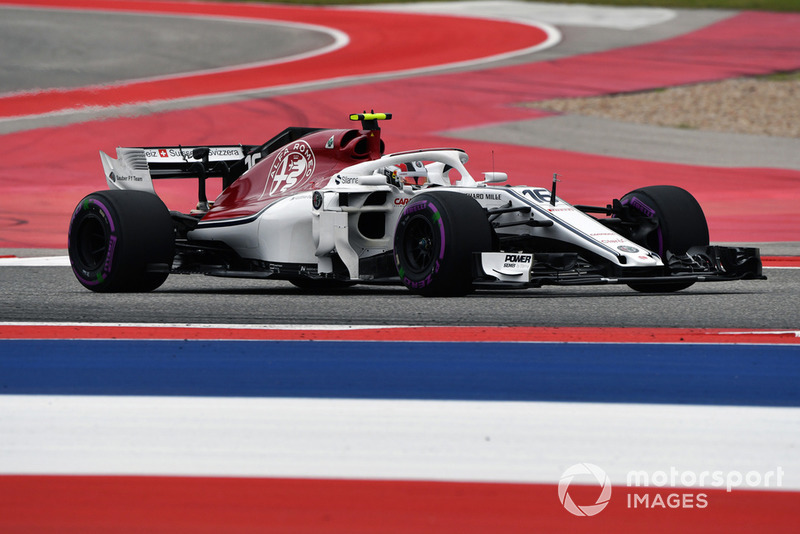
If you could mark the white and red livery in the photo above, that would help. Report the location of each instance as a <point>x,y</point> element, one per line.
<point>325,208</point>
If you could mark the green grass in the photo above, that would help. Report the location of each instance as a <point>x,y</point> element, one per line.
<point>792,76</point>
<point>762,5</point>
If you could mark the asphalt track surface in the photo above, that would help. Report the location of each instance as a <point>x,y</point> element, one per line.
<point>228,428</point>
<point>52,294</point>
<point>47,49</point>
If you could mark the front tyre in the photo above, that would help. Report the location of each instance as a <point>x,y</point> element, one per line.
<point>121,241</point>
<point>434,242</point>
<point>671,220</point>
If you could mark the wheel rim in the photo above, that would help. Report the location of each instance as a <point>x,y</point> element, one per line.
<point>419,244</point>
<point>92,242</point>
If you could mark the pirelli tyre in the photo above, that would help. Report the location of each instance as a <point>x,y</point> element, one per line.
<point>671,220</point>
<point>434,242</point>
<point>121,241</point>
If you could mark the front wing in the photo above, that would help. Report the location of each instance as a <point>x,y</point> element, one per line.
<point>698,264</point>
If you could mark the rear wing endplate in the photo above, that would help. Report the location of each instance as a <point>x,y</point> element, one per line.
<point>136,167</point>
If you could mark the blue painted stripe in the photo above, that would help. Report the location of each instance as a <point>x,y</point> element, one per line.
<point>583,372</point>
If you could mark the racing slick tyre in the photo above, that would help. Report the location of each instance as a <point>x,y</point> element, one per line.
<point>434,241</point>
<point>121,241</point>
<point>672,221</point>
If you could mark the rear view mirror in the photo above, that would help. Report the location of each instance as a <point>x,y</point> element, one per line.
<point>494,177</point>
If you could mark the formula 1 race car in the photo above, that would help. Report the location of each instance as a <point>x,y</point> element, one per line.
<point>325,208</point>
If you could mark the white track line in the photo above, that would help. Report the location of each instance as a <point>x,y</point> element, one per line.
<point>37,261</point>
<point>617,18</point>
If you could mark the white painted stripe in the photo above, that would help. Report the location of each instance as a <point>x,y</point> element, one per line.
<point>36,261</point>
<point>614,17</point>
<point>389,439</point>
<point>796,333</point>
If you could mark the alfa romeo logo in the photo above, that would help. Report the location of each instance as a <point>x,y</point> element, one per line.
<point>584,509</point>
<point>293,164</point>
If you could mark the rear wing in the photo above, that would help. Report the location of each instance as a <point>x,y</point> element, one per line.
<point>177,161</point>
<point>137,167</point>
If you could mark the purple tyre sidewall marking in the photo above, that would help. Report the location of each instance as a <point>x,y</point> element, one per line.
<point>416,207</point>
<point>441,235</point>
<point>647,211</point>
<point>106,267</point>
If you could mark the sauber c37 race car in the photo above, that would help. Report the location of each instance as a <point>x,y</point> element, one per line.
<point>326,208</point>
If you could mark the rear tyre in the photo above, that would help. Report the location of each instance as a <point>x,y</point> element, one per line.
<point>121,241</point>
<point>671,220</point>
<point>434,242</point>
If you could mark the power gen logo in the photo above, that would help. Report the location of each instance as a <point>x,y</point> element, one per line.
<point>518,258</point>
<point>589,472</point>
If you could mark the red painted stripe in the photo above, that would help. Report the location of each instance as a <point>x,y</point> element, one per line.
<point>437,333</point>
<point>196,505</point>
<point>378,43</point>
<point>780,261</point>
